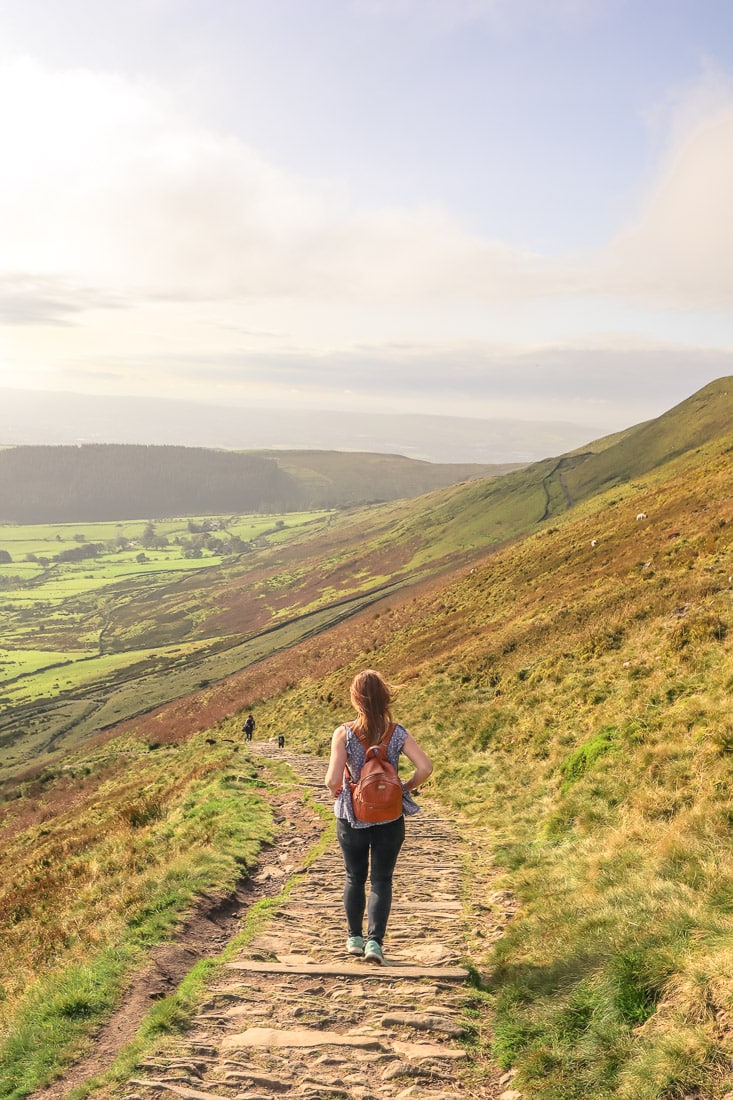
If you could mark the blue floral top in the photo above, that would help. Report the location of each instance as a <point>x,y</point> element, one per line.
<point>355,757</point>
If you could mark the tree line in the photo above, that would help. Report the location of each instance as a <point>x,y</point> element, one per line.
<point>109,481</point>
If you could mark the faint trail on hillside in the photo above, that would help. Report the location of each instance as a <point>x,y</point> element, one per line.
<point>546,482</point>
<point>293,1014</point>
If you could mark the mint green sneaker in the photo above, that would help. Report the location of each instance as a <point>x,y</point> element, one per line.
<point>373,952</point>
<point>355,945</point>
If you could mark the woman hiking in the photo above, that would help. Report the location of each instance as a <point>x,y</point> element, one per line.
<point>362,841</point>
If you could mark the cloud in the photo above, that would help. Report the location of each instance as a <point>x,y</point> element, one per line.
<point>29,300</point>
<point>687,106</point>
<point>106,184</point>
<point>605,387</point>
<point>111,196</point>
<point>103,181</point>
<point>678,252</point>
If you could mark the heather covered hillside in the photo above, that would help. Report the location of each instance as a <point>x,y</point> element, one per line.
<point>135,615</point>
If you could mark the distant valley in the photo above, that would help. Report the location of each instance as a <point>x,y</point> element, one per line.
<point>183,603</point>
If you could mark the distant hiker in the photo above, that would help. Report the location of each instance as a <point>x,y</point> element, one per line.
<point>351,744</point>
<point>281,740</point>
<point>248,728</point>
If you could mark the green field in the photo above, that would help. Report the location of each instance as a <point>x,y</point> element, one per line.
<point>122,543</point>
<point>160,607</point>
<point>47,540</point>
<point>55,612</point>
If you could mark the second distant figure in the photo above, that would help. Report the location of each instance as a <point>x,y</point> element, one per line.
<point>370,849</point>
<point>249,727</point>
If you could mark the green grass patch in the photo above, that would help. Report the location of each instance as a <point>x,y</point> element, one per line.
<point>57,1017</point>
<point>579,762</point>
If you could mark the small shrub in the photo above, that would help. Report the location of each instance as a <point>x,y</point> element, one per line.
<point>140,814</point>
<point>636,990</point>
<point>722,738</point>
<point>558,825</point>
<point>582,759</point>
<point>604,641</point>
<point>696,630</point>
<point>510,1039</point>
<point>493,727</point>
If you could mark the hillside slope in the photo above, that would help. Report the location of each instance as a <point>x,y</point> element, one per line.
<point>239,610</point>
<point>516,504</point>
<point>576,700</point>
<point>574,690</point>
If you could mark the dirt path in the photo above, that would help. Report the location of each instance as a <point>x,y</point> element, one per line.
<point>293,1014</point>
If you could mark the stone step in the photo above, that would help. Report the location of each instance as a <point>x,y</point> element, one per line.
<point>390,970</point>
<point>271,1038</point>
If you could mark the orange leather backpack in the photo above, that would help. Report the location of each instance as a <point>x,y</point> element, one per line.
<point>377,797</point>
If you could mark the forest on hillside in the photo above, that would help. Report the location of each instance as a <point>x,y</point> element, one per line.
<point>97,482</point>
<point>58,484</point>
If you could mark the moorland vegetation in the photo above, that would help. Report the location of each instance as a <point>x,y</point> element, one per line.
<point>572,679</point>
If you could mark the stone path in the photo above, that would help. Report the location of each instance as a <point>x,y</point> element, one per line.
<point>293,1014</point>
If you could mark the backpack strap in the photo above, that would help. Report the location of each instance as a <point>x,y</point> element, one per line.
<point>381,744</point>
<point>383,741</point>
<point>386,737</point>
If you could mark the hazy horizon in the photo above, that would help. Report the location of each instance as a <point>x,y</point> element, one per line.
<point>58,418</point>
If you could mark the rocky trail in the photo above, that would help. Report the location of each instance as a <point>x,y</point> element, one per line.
<point>293,1014</point>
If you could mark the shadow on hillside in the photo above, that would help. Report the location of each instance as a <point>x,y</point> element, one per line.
<point>527,981</point>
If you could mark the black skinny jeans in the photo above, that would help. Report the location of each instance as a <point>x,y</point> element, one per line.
<point>383,842</point>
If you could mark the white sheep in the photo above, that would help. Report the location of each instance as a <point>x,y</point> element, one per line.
<point>641,515</point>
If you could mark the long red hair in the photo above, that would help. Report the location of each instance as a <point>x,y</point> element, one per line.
<point>371,697</point>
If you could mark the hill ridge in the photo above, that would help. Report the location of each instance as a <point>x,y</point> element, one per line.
<point>84,483</point>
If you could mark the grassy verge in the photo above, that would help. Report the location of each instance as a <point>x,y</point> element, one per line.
<point>604,796</point>
<point>86,899</point>
<point>172,1015</point>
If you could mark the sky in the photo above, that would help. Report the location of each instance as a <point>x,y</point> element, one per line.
<point>484,208</point>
